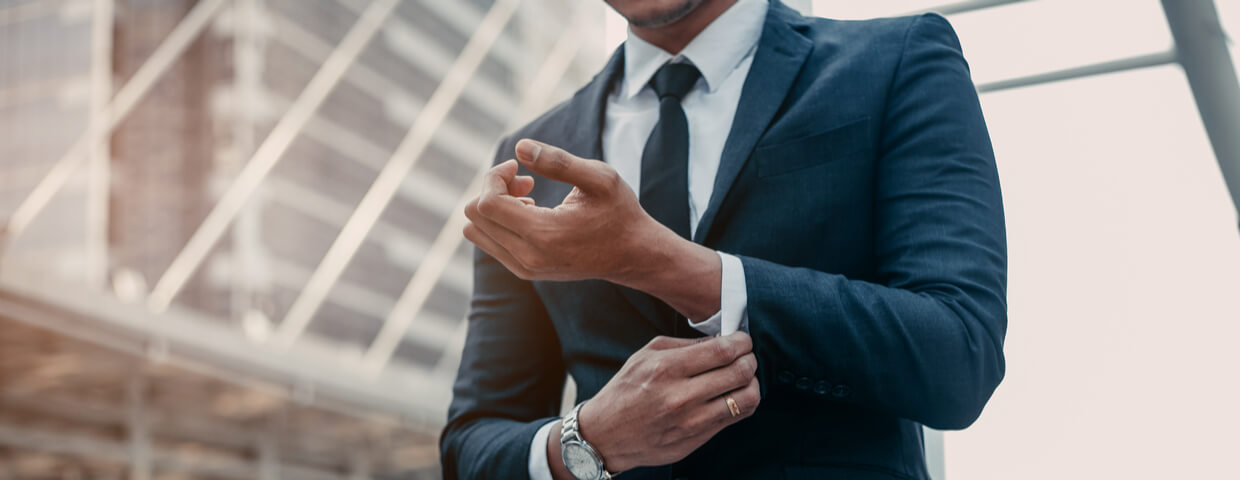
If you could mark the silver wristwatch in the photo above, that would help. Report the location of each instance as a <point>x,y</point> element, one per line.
<point>582,460</point>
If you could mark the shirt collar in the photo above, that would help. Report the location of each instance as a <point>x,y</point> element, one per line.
<point>716,51</point>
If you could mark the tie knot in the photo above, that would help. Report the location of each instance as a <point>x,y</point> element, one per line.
<point>674,80</point>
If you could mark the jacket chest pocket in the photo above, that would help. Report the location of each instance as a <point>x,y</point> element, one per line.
<point>843,141</point>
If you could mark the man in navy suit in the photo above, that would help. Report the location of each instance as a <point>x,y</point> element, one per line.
<point>763,245</point>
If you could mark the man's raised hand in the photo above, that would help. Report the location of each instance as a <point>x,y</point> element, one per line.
<point>598,231</point>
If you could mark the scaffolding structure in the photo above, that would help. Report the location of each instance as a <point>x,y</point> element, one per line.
<point>171,300</point>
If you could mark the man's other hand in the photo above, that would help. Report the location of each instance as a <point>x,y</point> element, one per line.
<point>668,399</point>
<point>598,231</point>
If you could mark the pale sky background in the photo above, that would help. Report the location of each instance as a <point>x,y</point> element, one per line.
<point>1123,345</point>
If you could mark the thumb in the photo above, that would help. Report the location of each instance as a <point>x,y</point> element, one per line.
<point>555,163</point>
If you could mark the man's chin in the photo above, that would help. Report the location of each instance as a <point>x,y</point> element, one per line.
<point>666,17</point>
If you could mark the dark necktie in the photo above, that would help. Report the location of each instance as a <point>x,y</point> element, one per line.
<point>665,163</point>
<point>665,159</point>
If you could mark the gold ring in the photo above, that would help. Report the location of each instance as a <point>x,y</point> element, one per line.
<point>732,407</point>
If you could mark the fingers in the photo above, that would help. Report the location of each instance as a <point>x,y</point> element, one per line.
<point>746,398</point>
<point>521,185</point>
<point>499,200</point>
<point>725,379</point>
<point>489,245</point>
<point>668,343</point>
<point>712,414</point>
<point>711,353</point>
<point>591,176</point>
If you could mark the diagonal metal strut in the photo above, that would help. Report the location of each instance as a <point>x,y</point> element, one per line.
<point>268,154</point>
<point>121,105</point>
<point>388,182</point>
<point>440,252</point>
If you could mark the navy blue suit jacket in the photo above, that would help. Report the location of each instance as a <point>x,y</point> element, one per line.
<point>858,187</point>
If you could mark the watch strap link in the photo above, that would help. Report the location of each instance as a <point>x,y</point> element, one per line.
<point>570,433</point>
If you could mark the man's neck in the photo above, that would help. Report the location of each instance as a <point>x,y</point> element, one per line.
<point>674,37</point>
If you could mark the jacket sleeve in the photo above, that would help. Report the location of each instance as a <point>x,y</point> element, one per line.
<point>510,380</point>
<point>925,341</point>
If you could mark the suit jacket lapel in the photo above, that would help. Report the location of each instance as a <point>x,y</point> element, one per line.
<point>782,51</point>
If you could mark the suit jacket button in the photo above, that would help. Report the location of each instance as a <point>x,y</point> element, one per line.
<point>841,391</point>
<point>803,383</point>
<point>786,376</point>
<point>822,387</point>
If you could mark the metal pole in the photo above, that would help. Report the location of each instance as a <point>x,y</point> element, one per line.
<point>140,466</point>
<point>268,154</point>
<point>99,188</point>
<point>1201,45</point>
<point>393,174</point>
<point>440,253</point>
<point>1114,66</point>
<point>968,6</point>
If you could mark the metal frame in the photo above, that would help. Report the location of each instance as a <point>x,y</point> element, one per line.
<point>1103,68</point>
<point>202,463</point>
<point>1201,47</point>
<point>968,6</point>
<point>268,154</point>
<point>99,175</point>
<point>121,105</point>
<point>437,257</point>
<point>385,186</point>
<point>312,374</point>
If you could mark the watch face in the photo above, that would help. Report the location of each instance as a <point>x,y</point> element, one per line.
<point>580,462</point>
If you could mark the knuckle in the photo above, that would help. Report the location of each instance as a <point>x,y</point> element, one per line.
<point>743,342</point>
<point>720,352</point>
<point>611,180</point>
<point>541,238</point>
<point>484,206</point>
<point>531,262</point>
<point>751,364</point>
<point>674,401</point>
<point>740,373</point>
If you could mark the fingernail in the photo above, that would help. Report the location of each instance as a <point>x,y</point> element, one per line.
<point>529,150</point>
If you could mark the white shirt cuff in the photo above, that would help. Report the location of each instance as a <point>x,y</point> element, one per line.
<point>539,467</point>
<point>733,302</point>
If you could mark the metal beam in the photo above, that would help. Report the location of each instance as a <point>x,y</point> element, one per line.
<point>967,6</point>
<point>137,428</point>
<point>449,238</point>
<point>169,425</point>
<point>99,190</point>
<point>121,105</point>
<point>1201,45</point>
<point>196,462</point>
<point>202,345</point>
<point>268,154</point>
<point>390,178</point>
<point>1114,66</point>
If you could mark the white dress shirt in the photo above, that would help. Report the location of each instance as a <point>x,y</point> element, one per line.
<point>723,53</point>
